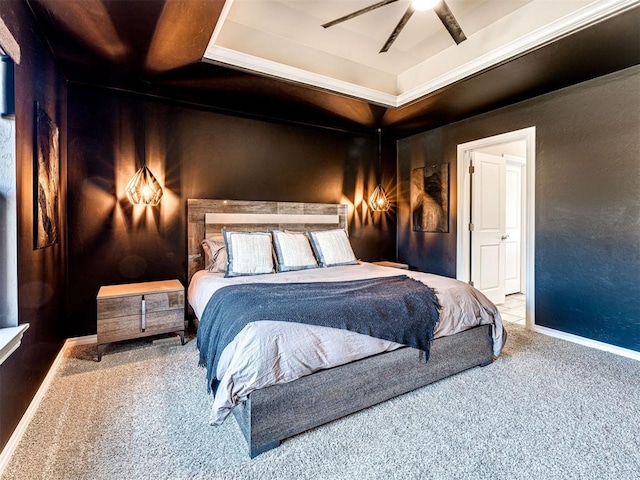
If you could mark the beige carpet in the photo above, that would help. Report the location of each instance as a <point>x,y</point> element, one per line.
<point>546,409</point>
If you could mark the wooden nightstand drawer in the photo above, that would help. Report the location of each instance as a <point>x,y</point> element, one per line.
<point>165,301</point>
<point>130,327</point>
<point>131,305</point>
<point>138,310</point>
<point>119,307</point>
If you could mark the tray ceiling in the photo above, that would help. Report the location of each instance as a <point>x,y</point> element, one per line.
<point>293,70</point>
<point>285,39</point>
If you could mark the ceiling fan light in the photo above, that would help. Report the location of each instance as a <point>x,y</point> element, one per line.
<point>424,4</point>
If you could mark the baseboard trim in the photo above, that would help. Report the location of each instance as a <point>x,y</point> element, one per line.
<point>86,340</point>
<point>624,352</point>
<point>16,436</point>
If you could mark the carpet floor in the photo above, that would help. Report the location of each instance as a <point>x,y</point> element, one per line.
<point>546,409</point>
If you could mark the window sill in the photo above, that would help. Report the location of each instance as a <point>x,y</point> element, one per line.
<point>10,339</point>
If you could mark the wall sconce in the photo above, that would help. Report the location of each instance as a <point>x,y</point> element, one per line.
<point>143,188</point>
<point>379,201</point>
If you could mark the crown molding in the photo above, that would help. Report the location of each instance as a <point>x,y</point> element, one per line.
<point>243,61</point>
<point>555,30</point>
<point>232,58</point>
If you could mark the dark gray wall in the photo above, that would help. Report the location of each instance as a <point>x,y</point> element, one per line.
<point>42,272</point>
<point>195,154</point>
<point>587,203</point>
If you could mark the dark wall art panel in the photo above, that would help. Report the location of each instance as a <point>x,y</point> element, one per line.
<point>46,180</point>
<point>430,198</point>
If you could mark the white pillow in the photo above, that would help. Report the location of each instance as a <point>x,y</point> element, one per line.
<point>215,254</point>
<point>248,253</point>
<point>332,248</point>
<point>293,251</point>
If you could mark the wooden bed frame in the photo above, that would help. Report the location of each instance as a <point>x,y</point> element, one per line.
<point>275,413</point>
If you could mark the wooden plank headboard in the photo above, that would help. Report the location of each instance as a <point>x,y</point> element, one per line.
<point>207,217</point>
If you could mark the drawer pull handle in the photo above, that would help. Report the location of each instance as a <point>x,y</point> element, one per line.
<point>144,315</point>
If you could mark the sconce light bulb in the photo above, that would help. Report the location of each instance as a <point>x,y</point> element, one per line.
<point>143,188</point>
<point>424,4</point>
<point>378,201</point>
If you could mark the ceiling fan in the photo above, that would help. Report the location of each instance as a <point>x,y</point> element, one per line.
<point>440,8</point>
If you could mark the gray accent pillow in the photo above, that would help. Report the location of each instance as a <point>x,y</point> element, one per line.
<point>332,248</point>
<point>293,251</point>
<point>215,254</point>
<point>248,253</point>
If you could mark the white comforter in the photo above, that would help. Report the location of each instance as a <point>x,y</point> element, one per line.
<point>288,351</point>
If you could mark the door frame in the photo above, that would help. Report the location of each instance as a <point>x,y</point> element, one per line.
<point>522,164</point>
<point>463,260</point>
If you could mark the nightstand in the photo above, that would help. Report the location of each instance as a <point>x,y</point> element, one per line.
<point>139,310</point>
<point>403,266</point>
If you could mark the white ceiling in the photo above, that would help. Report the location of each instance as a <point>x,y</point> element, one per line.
<point>285,39</point>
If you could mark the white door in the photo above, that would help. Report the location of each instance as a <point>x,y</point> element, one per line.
<point>513,245</point>
<point>488,217</point>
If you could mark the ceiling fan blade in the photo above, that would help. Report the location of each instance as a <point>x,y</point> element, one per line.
<point>403,21</point>
<point>358,13</point>
<point>449,22</point>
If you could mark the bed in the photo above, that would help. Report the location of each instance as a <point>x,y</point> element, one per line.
<point>356,371</point>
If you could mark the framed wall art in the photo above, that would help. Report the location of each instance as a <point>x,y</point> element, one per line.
<point>46,179</point>
<point>430,198</point>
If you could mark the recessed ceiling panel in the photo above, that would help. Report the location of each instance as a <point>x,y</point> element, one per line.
<point>285,38</point>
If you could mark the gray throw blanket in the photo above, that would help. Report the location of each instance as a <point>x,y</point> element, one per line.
<point>399,309</point>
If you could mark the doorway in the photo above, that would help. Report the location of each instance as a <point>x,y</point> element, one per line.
<point>495,250</point>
